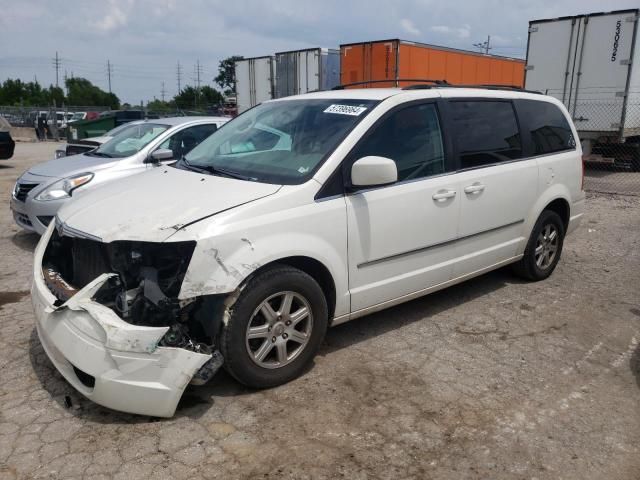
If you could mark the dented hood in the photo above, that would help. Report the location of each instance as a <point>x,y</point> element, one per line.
<point>151,206</point>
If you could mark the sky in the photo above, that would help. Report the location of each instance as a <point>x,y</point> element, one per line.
<point>145,39</point>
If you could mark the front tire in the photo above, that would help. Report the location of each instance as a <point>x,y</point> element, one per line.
<point>543,248</point>
<point>275,328</point>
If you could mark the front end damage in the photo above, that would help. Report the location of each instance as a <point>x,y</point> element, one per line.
<point>109,318</point>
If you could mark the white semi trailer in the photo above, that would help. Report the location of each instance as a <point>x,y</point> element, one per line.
<point>592,64</point>
<point>255,81</point>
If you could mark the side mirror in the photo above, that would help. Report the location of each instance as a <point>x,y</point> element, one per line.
<point>373,172</point>
<point>160,155</point>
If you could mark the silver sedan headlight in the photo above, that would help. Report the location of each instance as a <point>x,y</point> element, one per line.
<point>65,187</point>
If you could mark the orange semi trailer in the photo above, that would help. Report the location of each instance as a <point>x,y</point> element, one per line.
<point>395,59</point>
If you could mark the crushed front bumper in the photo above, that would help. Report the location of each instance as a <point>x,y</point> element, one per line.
<point>111,362</point>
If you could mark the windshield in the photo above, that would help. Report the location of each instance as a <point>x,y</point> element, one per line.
<point>118,129</point>
<point>281,142</point>
<point>130,140</point>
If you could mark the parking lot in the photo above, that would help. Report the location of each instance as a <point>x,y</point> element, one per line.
<point>495,378</point>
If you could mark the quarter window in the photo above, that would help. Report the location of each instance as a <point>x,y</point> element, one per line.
<point>485,132</point>
<point>412,138</point>
<point>549,129</point>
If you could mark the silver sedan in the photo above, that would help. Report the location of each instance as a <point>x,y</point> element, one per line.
<point>44,188</point>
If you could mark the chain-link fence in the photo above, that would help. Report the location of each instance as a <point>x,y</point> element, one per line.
<point>48,122</point>
<point>610,135</point>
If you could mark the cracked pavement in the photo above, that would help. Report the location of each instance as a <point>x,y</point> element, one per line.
<point>495,378</point>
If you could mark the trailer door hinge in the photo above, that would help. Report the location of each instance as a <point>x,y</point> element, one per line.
<point>533,29</point>
<point>615,125</point>
<point>529,67</point>
<point>625,62</point>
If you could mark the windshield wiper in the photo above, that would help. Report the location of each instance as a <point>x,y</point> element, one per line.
<point>215,170</point>
<point>191,167</point>
<point>93,153</point>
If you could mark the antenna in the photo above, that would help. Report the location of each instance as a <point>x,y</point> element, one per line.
<point>162,92</point>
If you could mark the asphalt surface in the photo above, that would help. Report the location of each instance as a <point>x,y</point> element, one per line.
<point>495,378</point>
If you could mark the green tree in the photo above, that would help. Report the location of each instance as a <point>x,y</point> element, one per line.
<point>17,92</point>
<point>226,77</point>
<point>160,106</point>
<point>191,97</point>
<point>82,92</point>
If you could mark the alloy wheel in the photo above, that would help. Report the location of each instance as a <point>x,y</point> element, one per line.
<point>279,329</point>
<point>546,246</point>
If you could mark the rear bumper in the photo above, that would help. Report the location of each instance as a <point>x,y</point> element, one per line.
<point>577,210</point>
<point>117,365</point>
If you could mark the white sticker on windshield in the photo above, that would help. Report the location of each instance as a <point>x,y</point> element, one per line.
<point>345,110</point>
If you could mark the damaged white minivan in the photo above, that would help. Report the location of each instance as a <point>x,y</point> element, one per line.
<point>302,213</point>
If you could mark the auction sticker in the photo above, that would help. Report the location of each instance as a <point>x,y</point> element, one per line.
<point>345,110</point>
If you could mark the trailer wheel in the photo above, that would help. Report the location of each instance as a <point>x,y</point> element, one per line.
<point>635,158</point>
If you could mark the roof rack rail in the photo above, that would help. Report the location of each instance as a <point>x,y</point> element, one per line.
<point>393,80</point>
<point>482,85</point>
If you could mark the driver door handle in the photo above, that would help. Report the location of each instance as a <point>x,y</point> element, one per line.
<point>475,188</point>
<point>443,195</point>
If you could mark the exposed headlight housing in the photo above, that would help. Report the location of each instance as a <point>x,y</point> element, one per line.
<point>65,187</point>
<point>61,153</point>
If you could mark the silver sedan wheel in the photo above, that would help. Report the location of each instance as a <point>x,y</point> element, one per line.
<point>546,246</point>
<point>279,330</point>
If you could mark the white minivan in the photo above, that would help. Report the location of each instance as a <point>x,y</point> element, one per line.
<point>301,213</point>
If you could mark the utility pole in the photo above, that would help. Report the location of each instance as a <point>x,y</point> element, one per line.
<point>109,72</point>
<point>198,72</point>
<point>162,92</point>
<point>486,45</point>
<point>57,62</point>
<point>179,77</point>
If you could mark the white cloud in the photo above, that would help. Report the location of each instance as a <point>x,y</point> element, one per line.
<point>461,32</point>
<point>409,26</point>
<point>116,16</point>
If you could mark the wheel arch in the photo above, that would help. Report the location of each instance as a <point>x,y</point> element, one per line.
<point>312,267</point>
<point>560,206</point>
<point>555,198</point>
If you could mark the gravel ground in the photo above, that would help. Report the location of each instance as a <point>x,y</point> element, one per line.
<point>602,179</point>
<point>494,378</point>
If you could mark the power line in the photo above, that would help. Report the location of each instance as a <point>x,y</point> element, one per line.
<point>57,63</point>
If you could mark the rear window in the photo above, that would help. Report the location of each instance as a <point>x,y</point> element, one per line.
<point>549,129</point>
<point>485,132</point>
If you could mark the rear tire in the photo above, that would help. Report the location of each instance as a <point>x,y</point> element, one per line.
<point>275,328</point>
<point>544,248</point>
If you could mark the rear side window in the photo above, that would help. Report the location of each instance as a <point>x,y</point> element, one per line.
<point>550,132</point>
<point>485,132</point>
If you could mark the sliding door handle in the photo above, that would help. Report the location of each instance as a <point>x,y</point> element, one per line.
<point>443,195</point>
